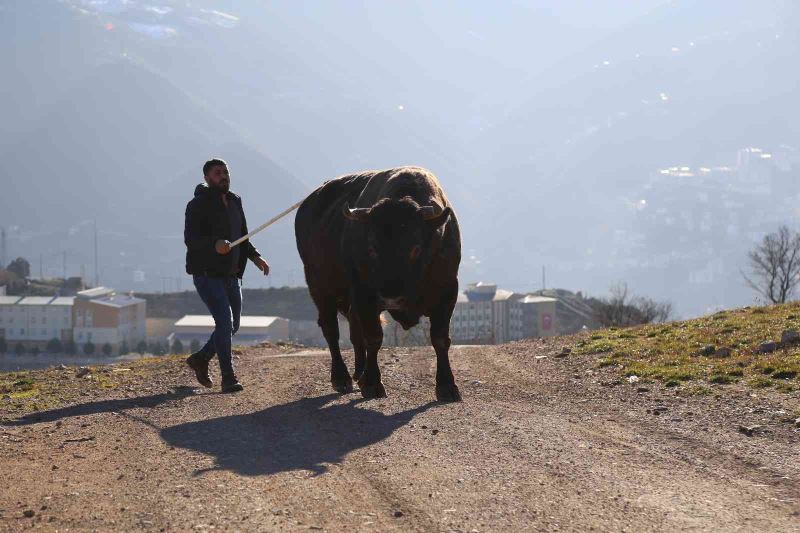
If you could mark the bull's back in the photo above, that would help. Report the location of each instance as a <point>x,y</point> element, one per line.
<point>319,225</point>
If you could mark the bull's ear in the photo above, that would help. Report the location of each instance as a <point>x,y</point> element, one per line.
<point>360,214</point>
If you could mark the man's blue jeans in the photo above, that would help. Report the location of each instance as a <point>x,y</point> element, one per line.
<point>223,297</point>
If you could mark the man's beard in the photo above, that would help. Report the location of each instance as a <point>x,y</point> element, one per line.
<point>222,186</point>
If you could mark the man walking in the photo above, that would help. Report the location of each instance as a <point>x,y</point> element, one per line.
<point>215,218</point>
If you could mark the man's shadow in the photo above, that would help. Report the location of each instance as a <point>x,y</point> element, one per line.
<point>301,435</point>
<point>102,406</point>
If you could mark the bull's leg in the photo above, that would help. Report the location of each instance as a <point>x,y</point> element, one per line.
<point>340,377</point>
<point>357,339</point>
<point>446,389</point>
<point>368,317</point>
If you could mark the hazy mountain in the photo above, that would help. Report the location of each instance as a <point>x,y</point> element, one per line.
<point>117,148</point>
<point>544,120</point>
<point>689,84</point>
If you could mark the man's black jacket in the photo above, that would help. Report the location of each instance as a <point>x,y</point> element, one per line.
<point>206,223</point>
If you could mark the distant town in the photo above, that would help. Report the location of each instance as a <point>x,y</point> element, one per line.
<point>65,317</point>
<point>99,320</point>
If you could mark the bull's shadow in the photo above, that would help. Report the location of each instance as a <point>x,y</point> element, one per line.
<point>305,434</point>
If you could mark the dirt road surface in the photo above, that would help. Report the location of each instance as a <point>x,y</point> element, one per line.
<point>540,443</point>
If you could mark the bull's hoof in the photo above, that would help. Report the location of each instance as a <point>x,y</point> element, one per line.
<point>448,393</point>
<point>343,385</point>
<point>373,391</point>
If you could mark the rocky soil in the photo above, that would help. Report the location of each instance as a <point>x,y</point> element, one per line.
<point>542,442</point>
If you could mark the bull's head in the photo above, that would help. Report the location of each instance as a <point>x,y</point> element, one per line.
<point>399,235</point>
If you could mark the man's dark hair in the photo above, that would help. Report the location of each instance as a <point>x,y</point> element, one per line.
<point>211,164</point>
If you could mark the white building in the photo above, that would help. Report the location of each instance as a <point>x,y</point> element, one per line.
<point>35,320</point>
<point>252,329</point>
<point>485,314</point>
<point>11,319</point>
<point>98,316</point>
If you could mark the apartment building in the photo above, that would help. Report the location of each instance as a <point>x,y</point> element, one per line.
<point>35,320</point>
<point>101,316</point>
<point>485,314</point>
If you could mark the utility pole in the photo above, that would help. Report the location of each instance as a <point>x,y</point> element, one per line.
<point>3,256</point>
<point>96,270</point>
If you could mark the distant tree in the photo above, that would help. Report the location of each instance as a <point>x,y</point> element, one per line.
<point>177,346</point>
<point>54,346</point>
<point>622,310</point>
<point>3,345</point>
<point>70,348</point>
<point>20,348</point>
<point>88,348</point>
<point>141,347</point>
<point>775,265</point>
<point>107,349</point>
<point>158,349</point>
<point>35,349</point>
<point>123,348</point>
<point>194,346</point>
<point>20,267</point>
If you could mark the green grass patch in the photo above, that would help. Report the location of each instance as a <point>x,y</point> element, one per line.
<point>670,353</point>
<point>760,382</point>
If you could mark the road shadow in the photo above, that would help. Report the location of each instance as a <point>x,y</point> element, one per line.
<point>305,434</point>
<point>102,406</point>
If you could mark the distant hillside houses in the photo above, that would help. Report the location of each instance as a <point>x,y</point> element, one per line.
<point>97,316</point>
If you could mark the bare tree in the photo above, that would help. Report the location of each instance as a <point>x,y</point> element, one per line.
<point>775,265</point>
<point>652,311</point>
<point>621,309</point>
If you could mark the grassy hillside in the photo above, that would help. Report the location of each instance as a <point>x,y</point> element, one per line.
<point>725,347</point>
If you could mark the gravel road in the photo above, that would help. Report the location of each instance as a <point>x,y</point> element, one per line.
<point>540,443</point>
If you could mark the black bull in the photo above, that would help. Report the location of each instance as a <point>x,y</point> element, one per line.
<point>375,241</point>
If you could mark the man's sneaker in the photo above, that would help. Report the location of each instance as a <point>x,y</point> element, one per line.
<point>199,364</point>
<point>231,384</point>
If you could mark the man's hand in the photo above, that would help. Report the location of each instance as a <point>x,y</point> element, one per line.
<point>262,265</point>
<point>223,247</point>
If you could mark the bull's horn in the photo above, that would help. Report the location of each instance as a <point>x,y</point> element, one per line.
<point>431,212</point>
<point>359,214</point>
